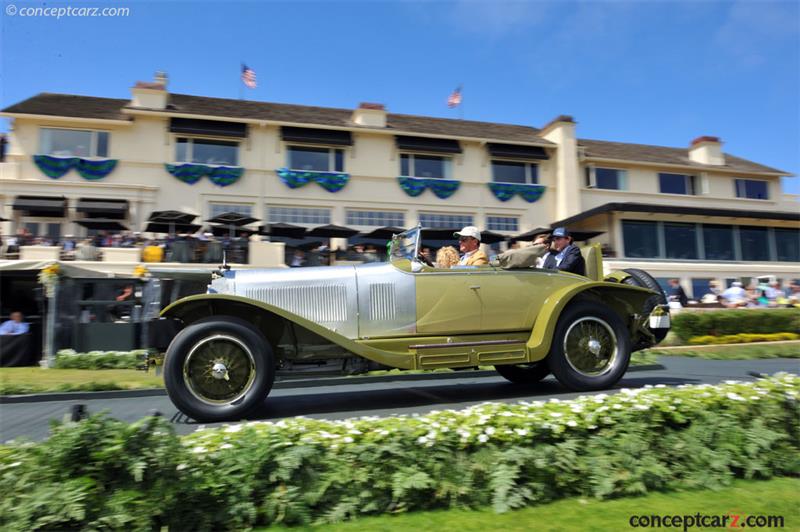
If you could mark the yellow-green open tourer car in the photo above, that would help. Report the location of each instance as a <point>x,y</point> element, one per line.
<point>527,323</point>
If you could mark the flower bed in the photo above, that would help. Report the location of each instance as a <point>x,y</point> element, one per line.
<point>71,359</point>
<point>743,338</point>
<point>104,473</point>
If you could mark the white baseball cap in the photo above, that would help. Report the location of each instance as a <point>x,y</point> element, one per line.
<point>469,230</point>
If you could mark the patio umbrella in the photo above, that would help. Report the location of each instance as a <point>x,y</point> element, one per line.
<point>4,219</point>
<point>171,228</point>
<point>383,233</point>
<point>490,237</point>
<point>221,230</point>
<point>105,224</point>
<point>172,220</point>
<point>232,220</point>
<point>530,235</point>
<point>332,231</point>
<point>282,230</point>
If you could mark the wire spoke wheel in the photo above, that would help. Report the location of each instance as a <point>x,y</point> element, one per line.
<point>590,346</point>
<point>219,369</point>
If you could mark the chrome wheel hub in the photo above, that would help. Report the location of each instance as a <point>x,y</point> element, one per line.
<point>590,346</point>
<point>219,369</point>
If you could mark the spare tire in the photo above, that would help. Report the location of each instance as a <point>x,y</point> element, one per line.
<point>645,280</point>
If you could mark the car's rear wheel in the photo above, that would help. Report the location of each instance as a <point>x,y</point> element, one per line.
<point>591,347</point>
<point>642,278</point>
<point>524,373</point>
<point>218,369</point>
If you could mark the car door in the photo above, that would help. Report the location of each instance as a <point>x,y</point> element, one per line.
<point>448,302</point>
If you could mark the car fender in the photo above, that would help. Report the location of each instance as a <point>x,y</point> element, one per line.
<point>193,308</point>
<point>626,300</point>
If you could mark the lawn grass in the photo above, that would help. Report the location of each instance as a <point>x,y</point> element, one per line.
<point>35,380</point>
<point>737,352</point>
<point>779,497</point>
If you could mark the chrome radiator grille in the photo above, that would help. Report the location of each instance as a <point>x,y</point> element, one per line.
<point>382,304</point>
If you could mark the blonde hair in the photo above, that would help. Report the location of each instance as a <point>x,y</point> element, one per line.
<point>447,257</point>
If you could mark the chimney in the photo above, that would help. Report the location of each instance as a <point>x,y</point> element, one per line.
<point>150,94</point>
<point>707,150</point>
<point>370,114</point>
<point>567,186</point>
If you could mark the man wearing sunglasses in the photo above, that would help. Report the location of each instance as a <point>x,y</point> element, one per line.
<point>469,241</point>
<point>564,255</point>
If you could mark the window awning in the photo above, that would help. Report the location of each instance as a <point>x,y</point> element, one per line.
<point>312,135</point>
<point>214,128</point>
<point>103,208</point>
<point>427,144</point>
<point>515,151</point>
<point>41,205</point>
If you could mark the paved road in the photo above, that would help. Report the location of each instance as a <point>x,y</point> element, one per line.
<point>31,420</point>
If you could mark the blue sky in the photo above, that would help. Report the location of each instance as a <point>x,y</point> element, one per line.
<point>648,72</point>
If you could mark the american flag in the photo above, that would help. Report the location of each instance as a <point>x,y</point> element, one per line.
<point>454,100</point>
<point>248,76</point>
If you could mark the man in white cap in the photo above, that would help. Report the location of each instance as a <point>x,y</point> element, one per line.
<point>469,241</point>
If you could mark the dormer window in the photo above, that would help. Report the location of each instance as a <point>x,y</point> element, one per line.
<point>752,189</point>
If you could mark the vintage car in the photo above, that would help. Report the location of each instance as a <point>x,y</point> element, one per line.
<point>527,323</point>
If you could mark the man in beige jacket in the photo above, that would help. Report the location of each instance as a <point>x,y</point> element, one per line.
<point>469,241</point>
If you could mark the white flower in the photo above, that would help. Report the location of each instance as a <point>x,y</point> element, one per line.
<point>556,414</point>
<point>15,464</point>
<point>348,439</point>
<point>199,449</point>
<point>483,438</point>
<point>181,467</point>
<point>572,423</point>
<point>489,430</point>
<point>734,397</point>
<point>226,446</point>
<point>521,432</point>
<point>233,428</point>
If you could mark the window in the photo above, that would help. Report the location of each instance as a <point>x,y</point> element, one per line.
<point>502,223</point>
<point>751,189</point>
<point>376,218</point>
<point>787,243</point>
<point>700,287</point>
<point>220,208</point>
<point>445,221</point>
<point>606,178</point>
<point>680,241</point>
<point>676,184</point>
<point>640,239</point>
<point>299,215</point>
<point>207,151</point>
<point>73,143</point>
<point>511,172</point>
<point>718,242</point>
<point>413,165</point>
<point>316,159</point>
<point>754,243</point>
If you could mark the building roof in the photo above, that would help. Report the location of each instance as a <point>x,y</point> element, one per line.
<point>676,209</point>
<point>111,109</point>
<point>602,149</point>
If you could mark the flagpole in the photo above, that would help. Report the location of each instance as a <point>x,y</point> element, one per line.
<point>461,105</point>
<point>241,82</point>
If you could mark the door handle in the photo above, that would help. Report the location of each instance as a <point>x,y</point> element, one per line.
<point>474,287</point>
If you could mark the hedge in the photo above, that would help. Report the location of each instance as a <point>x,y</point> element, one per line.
<point>102,473</point>
<point>71,359</point>
<point>725,322</point>
<point>743,338</point>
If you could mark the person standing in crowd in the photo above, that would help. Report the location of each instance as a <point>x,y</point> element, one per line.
<point>298,259</point>
<point>15,325</point>
<point>469,241</point>
<point>564,255</point>
<point>734,296</point>
<point>676,292</point>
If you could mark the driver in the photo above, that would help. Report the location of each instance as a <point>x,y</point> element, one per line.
<point>469,241</point>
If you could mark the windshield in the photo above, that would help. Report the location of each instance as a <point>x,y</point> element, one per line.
<point>405,245</point>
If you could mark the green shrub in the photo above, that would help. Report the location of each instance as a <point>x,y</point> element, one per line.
<point>726,322</point>
<point>70,359</point>
<point>102,473</point>
<point>743,338</point>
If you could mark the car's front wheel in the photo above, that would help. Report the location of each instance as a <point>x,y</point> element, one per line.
<point>524,373</point>
<point>218,369</point>
<point>591,347</point>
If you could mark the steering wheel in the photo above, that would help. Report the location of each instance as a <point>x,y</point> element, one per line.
<point>423,259</point>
